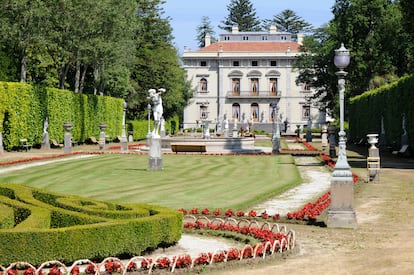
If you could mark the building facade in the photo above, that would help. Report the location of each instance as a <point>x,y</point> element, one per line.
<point>241,77</point>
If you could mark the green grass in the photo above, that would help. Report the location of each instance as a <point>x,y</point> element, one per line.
<point>186,181</point>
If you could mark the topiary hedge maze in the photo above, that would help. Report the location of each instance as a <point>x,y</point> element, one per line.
<point>37,226</point>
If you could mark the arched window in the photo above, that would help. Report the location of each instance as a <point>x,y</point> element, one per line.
<point>235,111</point>
<point>203,112</point>
<point>255,112</point>
<point>202,85</point>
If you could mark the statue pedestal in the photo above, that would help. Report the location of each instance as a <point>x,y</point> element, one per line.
<point>45,141</point>
<point>155,154</point>
<point>68,143</point>
<point>341,212</point>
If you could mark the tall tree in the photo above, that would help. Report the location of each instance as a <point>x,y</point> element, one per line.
<point>203,29</point>
<point>288,21</point>
<point>372,31</point>
<point>156,63</point>
<point>19,22</point>
<point>243,14</point>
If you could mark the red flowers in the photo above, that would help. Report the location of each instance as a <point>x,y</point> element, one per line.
<point>311,210</point>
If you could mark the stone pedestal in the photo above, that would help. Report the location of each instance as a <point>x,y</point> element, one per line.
<point>45,141</point>
<point>324,138</point>
<point>102,137</point>
<point>68,138</point>
<point>373,160</point>
<point>341,212</point>
<point>155,154</point>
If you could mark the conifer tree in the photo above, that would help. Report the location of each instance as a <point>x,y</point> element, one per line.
<point>288,21</point>
<point>203,29</point>
<point>243,14</point>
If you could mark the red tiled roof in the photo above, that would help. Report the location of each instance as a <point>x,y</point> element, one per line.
<point>251,47</point>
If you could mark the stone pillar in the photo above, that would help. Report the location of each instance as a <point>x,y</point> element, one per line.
<point>155,154</point>
<point>309,131</point>
<point>235,130</point>
<point>373,161</point>
<point>102,137</point>
<point>68,138</point>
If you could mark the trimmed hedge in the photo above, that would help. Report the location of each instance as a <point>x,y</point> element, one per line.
<point>140,127</point>
<point>23,109</point>
<point>51,226</point>
<point>389,102</point>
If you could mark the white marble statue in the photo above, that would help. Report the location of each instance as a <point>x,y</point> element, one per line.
<point>157,109</point>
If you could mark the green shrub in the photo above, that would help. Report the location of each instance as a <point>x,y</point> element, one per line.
<point>71,227</point>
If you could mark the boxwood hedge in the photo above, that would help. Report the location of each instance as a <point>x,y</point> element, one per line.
<point>38,226</point>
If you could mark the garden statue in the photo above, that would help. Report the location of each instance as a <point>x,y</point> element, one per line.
<point>157,109</point>
<point>45,136</point>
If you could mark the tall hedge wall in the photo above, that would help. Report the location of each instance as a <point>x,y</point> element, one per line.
<point>388,103</point>
<point>23,109</point>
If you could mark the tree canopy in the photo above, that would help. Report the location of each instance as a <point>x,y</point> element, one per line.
<point>380,49</point>
<point>116,48</point>
<point>288,21</point>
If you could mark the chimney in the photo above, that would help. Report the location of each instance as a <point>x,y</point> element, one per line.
<point>300,38</point>
<point>207,40</point>
<point>235,29</point>
<point>272,29</point>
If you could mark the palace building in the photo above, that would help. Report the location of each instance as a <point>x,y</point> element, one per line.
<point>242,76</point>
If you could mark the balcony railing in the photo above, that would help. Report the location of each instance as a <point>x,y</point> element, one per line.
<point>250,94</point>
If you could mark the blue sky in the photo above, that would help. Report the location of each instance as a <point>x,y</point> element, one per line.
<point>186,14</point>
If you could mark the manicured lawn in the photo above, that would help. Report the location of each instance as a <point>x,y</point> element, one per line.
<point>186,181</point>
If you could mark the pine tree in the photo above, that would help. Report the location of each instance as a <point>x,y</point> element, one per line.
<point>288,21</point>
<point>203,29</point>
<point>243,14</point>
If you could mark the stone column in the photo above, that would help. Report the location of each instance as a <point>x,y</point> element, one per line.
<point>68,138</point>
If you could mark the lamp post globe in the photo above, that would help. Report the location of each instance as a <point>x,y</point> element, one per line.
<point>342,57</point>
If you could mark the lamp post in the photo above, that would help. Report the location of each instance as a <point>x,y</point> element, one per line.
<point>124,141</point>
<point>341,213</point>
<point>276,130</point>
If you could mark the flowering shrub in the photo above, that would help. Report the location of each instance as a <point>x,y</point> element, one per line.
<point>229,213</point>
<point>183,261</point>
<point>217,212</point>
<point>240,214</point>
<point>194,211</point>
<point>205,211</point>
<point>311,210</point>
<point>75,270</point>
<point>132,267</point>
<point>264,215</point>
<point>112,267</point>
<point>146,263</point>
<point>252,213</point>
<point>90,269</point>
<point>163,262</point>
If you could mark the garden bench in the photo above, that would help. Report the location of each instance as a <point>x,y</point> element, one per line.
<point>188,147</point>
<point>55,144</point>
<point>24,145</point>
